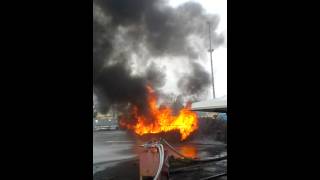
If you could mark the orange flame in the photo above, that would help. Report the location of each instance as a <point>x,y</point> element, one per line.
<point>163,119</point>
<point>189,151</point>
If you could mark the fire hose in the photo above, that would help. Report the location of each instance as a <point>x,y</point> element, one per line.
<point>198,160</point>
<point>161,156</point>
<point>173,149</point>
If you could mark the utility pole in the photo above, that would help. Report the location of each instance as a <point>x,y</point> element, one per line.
<point>210,51</point>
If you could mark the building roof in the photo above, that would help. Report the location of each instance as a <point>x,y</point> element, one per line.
<point>215,105</point>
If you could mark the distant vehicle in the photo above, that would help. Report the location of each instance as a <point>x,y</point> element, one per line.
<point>106,124</point>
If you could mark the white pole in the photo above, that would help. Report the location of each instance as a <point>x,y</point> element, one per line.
<point>210,51</point>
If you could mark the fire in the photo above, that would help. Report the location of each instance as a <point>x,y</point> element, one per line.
<point>163,119</point>
<point>189,151</point>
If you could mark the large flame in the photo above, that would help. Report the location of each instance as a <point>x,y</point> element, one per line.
<point>162,120</point>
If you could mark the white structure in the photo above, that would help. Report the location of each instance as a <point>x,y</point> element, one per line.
<point>215,105</point>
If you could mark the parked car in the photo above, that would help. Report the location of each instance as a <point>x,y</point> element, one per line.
<point>106,124</point>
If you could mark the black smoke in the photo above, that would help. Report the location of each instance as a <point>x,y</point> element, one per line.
<point>114,84</point>
<point>195,82</point>
<point>146,28</point>
<point>155,76</point>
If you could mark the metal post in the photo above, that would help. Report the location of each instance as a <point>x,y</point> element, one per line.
<point>210,51</point>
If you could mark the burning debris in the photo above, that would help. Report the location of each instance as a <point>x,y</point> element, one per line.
<point>160,119</point>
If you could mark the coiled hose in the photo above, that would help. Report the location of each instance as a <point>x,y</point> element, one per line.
<point>161,157</point>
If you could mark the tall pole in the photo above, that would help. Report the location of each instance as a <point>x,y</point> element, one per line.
<point>210,51</point>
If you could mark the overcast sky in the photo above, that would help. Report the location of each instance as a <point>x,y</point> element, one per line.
<point>218,7</point>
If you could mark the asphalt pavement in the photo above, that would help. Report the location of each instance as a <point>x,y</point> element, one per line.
<point>115,157</point>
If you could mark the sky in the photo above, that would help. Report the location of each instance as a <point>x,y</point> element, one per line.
<point>219,56</point>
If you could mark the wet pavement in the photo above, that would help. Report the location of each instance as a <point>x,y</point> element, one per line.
<point>114,157</point>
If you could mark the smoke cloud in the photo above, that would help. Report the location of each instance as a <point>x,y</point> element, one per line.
<point>195,82</point>
<point>127,34</point>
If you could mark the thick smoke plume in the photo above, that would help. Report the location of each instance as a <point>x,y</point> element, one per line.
<point>127,34</point>
<point>195,82</point>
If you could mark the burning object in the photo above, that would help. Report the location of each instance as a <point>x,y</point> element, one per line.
<point>160,119</point>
